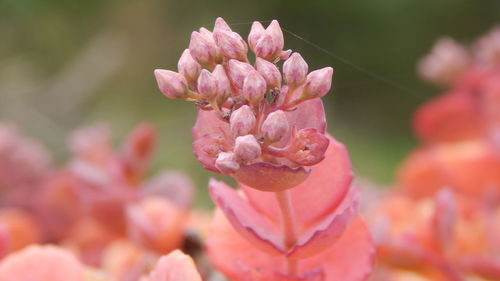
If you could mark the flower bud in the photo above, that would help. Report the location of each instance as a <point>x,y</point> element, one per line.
<point>254,87</point>
<point>151,220</point>
<point>270,72</point>
<point>247,148</point>
<point>255,33</point>
<point>318,83</point>
<point>275,127</point>
<point>172,84</point>
<point>209,36</point>
<point>242,121</point>
<point>226,163</point>
<point>295,70</point>
<point>207,85</point>
<point>264,48</point>
<point>237,71</point>
<point>276,33</point>
<point>231,45</point>
<point>188,67</point>
<point>202,48</point>
<point>223,85</point>
<point>220,24</point>
<point>446,61</point>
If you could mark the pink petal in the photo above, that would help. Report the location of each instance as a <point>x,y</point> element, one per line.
<point>350,259</point>
<point>309,114</point>
<point>481,266</point>
<point>248,222</point>
<point>328,231</point>
<point>470,168</point>
<point>207,122</point>
<point>41,263</point>
<point>318,195</point>
<point>175,266</point>
<point>450,117</point>
<point>269,177</point>
<point>177,187</point>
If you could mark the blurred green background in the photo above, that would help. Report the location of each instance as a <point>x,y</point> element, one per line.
<point>65,64</point>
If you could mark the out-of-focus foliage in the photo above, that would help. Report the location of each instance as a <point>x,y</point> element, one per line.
<point>64,64</point>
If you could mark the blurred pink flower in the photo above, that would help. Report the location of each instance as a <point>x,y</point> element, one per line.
<point>175,266</point>
<point>41,263</point>
<point>24,165</point>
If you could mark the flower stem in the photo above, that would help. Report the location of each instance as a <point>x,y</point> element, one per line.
<point>289,229</point>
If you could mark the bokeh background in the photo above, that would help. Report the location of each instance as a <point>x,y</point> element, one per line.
<point>65,64</point>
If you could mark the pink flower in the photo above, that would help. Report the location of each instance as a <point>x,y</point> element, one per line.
<point>100,181</point>
<point>41,263</point>
<point>445,63</point>
<point>24,166</point>
<point>237,98</point>
<point>175,266</point>
<point>156,223</point>
<point>468,109</point>
<point>213,136</point>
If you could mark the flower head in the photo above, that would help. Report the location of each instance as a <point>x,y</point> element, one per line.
<point>283,123</point>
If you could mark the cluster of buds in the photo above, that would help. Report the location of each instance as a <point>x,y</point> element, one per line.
<point>252,116</point>
<point>468,109</point>
<point>450,63</point>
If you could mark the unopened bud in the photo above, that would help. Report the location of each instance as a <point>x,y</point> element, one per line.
<point>242,121</point>
<point>307,147</point>
<point>254,87</point>
<point>275,127</point>
<point>207,85</point>
<point>265,48</point>
<point>226,163</point>
<point>202,48</point>
<point>295,70</point>
<point>231,45</point>
<point>318,83</point>
<point>276,33</point>
<point>255,33</point>
<point>247,148</point>
<point>237,72</point>
<point>223,85</point>
<point>446,61</point>
<point>487,47</point>
<point>220,24</point>
<point>172,84</point>
<point>188,67</point>
<point>270,72</point>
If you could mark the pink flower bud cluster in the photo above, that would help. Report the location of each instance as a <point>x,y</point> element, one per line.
<point>469,107</point>
<point>254,112</point>
<point>449,62</point>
